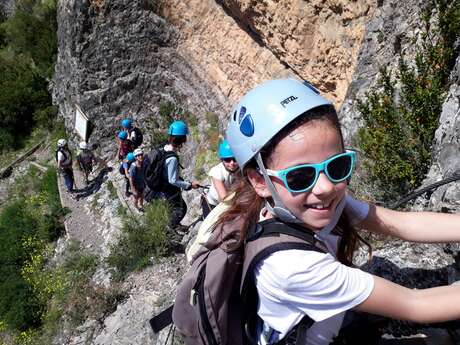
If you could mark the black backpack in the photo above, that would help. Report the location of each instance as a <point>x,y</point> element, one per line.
<point>85,159</point>
<point>65,153</point>
<point>153,174</point>
<point>139,139</point>
<point>216,301</point>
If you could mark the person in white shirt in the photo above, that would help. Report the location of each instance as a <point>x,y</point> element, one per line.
<point>288,143</point>
<point>223,176</point>
<point>64,164</point>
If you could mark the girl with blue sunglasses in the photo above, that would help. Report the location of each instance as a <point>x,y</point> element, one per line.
<point>288,143</point>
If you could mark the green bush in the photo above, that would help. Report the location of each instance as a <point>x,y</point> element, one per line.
<point>399,126</point>
<point>167,112</point>
<point>141,240</point>
<point>27,225</point>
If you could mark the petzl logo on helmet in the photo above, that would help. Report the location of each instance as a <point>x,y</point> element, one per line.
<point>247,126</point>
<point>288,100</point>
<point>242,113</point>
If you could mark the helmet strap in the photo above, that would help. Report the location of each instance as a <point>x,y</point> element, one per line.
<point>279,209</point>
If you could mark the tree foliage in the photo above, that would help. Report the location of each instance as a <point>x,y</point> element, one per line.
<point>28,47</point>
<point>32,32</point>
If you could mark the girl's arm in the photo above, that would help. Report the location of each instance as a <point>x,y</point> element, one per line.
<point>220,188</point>
<point>423,306</point>
<point>427,227</point>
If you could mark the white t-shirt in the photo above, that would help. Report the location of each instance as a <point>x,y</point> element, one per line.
<point>132,135</point>
<point>64,159</point>
<point>294,283</point>
<point>220,173</point>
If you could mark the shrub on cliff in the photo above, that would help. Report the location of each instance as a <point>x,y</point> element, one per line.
<point>399,125</point>
<point>142,240</point>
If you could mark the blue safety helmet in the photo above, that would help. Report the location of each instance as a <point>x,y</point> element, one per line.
<point>266,110</point>
<point>224,150</point>
<point>126,123</point>
<point>178,128</point>
<point>123,135</point>
<point>130,157</point>
<point>261,114</point>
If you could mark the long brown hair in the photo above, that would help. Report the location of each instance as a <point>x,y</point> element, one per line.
<point>246,204</point>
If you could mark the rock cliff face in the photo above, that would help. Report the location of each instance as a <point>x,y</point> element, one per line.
<point>7,7</point>
<point>118,59</point>
<point>240,43</point>
<point>389,33</point>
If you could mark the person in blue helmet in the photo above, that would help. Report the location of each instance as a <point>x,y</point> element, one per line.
<point>223,176</point>
<point>172,183</point>
<point>124,145</point>
<point>134,133</point>
<point>288,143</point>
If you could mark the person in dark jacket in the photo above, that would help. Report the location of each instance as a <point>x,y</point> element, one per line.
<point>174,184</point>
<point>86,160</point>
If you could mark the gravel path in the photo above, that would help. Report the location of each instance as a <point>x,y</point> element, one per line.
<point>81,225</point>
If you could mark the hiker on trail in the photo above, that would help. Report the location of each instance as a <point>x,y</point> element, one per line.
<point>64,164</point>
<point>136,179</point>
<point>124,145</point>
<point>86,160</point>
<point>288,142</point>
<point>166,183</point>
<point>124,170</point>
<point>134,134</point>
<point>223,175</point>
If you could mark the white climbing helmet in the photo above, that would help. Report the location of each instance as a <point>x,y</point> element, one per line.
<point>61,142</point>
<point>138,152</point>
<point>83,145</point>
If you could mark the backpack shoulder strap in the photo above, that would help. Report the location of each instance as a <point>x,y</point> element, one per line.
<point>271,236</point>
<point>167,154</point>
<point>263,239</point>
<point>67,155</point>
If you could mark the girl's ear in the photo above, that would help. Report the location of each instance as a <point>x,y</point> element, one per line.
<point>258,183</point>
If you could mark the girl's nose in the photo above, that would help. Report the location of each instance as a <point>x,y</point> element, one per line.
<point>323,185</point>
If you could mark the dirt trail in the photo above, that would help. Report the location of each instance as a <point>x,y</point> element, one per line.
<point>81,225</point>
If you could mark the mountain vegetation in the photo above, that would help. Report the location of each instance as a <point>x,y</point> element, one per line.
<point>28,47</point>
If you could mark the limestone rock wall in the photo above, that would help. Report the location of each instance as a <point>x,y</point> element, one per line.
<point>240,43</point>
<point>446,162</point>
<point>119,59</point>
<point>389,33</point>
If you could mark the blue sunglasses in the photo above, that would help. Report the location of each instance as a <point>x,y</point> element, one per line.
<point>302,178</point>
